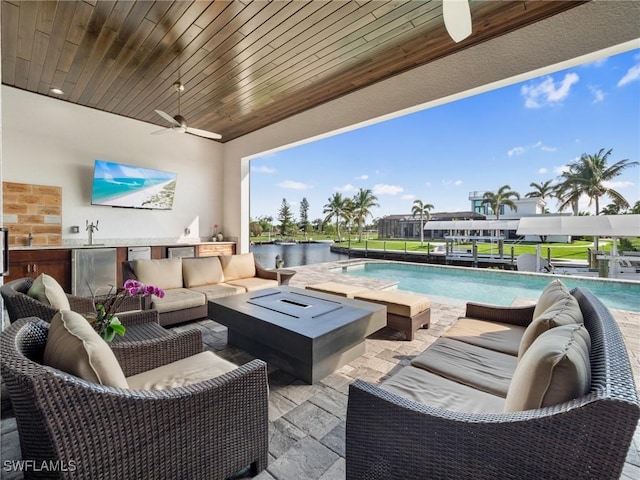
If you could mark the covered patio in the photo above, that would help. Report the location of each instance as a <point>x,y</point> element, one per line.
<point>307,422</point>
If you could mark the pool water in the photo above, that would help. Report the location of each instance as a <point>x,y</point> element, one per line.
<point>492,286</point>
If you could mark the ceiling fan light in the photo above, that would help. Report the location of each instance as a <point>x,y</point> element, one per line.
<point>457,18</point>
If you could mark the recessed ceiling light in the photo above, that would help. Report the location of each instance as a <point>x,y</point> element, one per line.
<point>57,91</point>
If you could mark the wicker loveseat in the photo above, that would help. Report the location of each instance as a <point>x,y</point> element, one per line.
<point>389,436</point>
<point>85,430</point>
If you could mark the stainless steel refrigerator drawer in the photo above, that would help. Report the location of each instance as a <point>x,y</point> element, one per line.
<point>93,271</point>
<point>184,252</point>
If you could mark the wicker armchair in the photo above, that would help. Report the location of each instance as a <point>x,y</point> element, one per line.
<point>390,437</point>
<point>20,305</point>
<point>207,430</point>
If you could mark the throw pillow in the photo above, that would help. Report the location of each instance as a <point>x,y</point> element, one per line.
<point>47,290</point>
<point>564,312</point>
<point>165,273</point>
<point>240,266</point>
<point>555,291</point>
<point>201,271</point>
<point>555,369</point>
<point>74,347</point>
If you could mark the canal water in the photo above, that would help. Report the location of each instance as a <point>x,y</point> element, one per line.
<point>295,255</point>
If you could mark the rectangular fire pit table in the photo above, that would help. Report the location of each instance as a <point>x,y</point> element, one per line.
<point>308,334</point>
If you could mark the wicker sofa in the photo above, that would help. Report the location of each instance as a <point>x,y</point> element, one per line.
<point>189,283</point>
<point>391,435</point>
<point>210,429</point>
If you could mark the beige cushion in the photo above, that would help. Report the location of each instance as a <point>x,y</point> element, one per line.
<point>47,290</point>
<point>556,368</point>
<point>188,371</point>
<point>235,267</point>
<point>564,312</point>
<point>501,337</point>
<point>403,304</point>
<point>201,271</point>
<point>430,389</point>
<point>177,299</point>
<point>342,289</point>
<point>164,273</point>
<point>478,367</point>
<point>551,294</point>
<point>219,290</point>
<point>252,284</point>
<point>73,346</point>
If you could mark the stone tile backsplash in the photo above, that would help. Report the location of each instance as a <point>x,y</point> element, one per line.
<point>32,209</point>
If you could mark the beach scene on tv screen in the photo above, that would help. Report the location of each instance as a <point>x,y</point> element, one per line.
<point>121,185</point>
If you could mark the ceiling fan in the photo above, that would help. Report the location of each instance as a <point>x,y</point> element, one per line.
<point>457,18</point>
<point>179,124</point>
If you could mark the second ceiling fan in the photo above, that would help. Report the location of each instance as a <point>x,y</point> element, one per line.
<point>179,124</point>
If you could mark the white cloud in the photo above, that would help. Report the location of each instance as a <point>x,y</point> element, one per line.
<point>345,188</point>
<point>455,183</point>
<point>408,197</point>
<point>632,75</point>
<point>618,184</point>
<point>542,170</point>
<point>516,151</point>
<point>598,94</point>
<point>596,63</point>
<point>561,169</point>
<point>362,177</point>
<point>291,185</point>
<point>521,149</point>
<point>263,169</point>
<point>383,189</point>
<point>428,184</point>
<point>547,91</point>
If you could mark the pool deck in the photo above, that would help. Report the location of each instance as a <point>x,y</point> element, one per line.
<point>307,422</point>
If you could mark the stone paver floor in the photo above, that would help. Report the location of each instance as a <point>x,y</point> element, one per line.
<point>307,422</point>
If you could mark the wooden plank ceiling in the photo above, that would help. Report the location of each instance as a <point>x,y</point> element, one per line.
<point>245,64</point>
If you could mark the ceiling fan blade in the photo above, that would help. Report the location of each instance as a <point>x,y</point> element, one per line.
<point>457,18</point>
<point>204,133</point>
<point>167,117</point>
<point>164,130</point>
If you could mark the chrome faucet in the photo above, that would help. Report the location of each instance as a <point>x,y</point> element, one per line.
<point>92,228</point>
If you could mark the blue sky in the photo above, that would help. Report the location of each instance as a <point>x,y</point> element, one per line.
<point>527,132</point>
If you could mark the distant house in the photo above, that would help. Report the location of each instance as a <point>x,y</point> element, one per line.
<point>408,226</point>
<point>525,207</point>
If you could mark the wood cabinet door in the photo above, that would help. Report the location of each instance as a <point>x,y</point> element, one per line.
<point>215,250</point>
<point>31,263</point>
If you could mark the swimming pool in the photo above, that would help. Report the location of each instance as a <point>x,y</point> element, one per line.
<point>491,286</point>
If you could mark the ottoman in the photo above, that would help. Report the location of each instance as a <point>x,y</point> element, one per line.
<point>342,289</point>
<point>406,312</point>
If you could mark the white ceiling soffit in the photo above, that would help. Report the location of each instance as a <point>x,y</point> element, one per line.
<point>599,225</point>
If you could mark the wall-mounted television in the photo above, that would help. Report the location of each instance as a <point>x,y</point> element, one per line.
<point>119,185</point>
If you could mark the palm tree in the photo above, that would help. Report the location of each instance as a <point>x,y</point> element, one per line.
<point>362,202</point>
<point>590,173</point>
<point>335,209</point>
<point>568,191</point>
<point>541,190</point>
<point>422,209</point>
<point>589,176</point>
<point>348,214</point>
<point>502,197</point>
